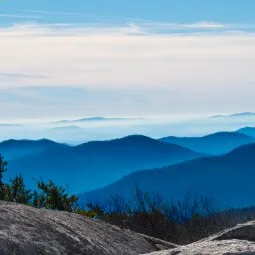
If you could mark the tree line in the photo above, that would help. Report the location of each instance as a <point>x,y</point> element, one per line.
<point>185,221</point>
<point>47,195</point>
<point>181,222</point>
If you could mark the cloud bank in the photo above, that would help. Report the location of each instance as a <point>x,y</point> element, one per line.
<point>123,56</point>
<point>168,67</point>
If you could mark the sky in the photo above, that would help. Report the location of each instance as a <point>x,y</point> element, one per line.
<point>64,59</point>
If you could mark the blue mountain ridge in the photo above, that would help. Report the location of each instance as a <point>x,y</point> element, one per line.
<point>250,131</point>
<point>94,164</point>
<point>12,149</point>
<point>217,143</point>
<point>228,179</point>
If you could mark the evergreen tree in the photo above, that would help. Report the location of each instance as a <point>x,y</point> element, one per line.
<point>35,200</point>
<point>50,196</point>
<point>55,197</point>
<point>3,168</point>
<point>19,193</point>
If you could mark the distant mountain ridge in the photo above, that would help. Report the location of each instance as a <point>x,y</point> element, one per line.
<point>217,143</point>
<point>94,119</point>
<point>241,114</point>
<point>96,164</point>
<point>11,149</point>
<point>250,131</point>
<point>229,179</point>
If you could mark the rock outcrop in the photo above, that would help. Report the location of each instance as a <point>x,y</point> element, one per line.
<point>26,230</point>
<point>237,240</point>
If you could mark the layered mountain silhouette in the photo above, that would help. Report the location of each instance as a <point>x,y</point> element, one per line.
<point>92,119</point>
<point>229,179</point>
<point>218,143</point>
<point>94,164</point>
<point>235,115</point>
<point>12,149</point>
<point>250,131</point>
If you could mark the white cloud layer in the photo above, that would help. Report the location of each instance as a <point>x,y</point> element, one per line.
<point>132,58</point>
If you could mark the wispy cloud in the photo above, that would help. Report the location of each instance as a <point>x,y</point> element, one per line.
<point>139,22</point>
<point>202,25</point>
<point>4,15</point>
<point>52,13</point>
<point>171,28</point>
<point>60,29</point>
<point>56,22</point>
<point>20,75</point>
<point>130,28</point>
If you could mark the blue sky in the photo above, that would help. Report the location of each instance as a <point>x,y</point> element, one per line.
<point>110,57</point>
<point>233,11</point>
